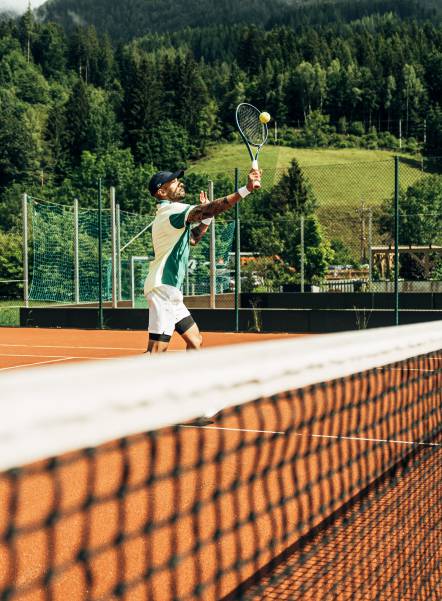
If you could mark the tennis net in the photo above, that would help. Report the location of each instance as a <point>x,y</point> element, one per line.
<point>320,477</point>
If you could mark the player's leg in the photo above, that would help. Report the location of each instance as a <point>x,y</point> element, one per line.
<point>157,343</point>
<point>189,332</point>
<point>186,326</point>
<point>161,321</point>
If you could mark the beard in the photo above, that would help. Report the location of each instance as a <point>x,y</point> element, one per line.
<point>179,193</point>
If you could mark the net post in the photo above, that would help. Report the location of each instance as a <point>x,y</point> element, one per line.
<point>118,235</point>
<point>114,262</point>
<point>396,240</point>
<point>302,255</point>
<point>25,250</point>
<point>100,258</point>
<point>212,254</point>
<point>237,255</point>
<point>76,255</point>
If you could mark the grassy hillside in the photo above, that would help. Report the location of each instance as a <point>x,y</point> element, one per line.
<point>344,178</point>
<point>346,183</point>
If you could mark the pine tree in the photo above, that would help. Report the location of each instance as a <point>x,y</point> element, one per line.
<point>433,146</point>
<point>292,193</point>
<point>76,115</point>
<point>142,106</point>
<point>18,153</point>
<point>27,31</point>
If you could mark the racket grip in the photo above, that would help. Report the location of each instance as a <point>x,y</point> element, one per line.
<point>256,184</point>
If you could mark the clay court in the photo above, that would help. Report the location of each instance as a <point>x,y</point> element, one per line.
<point>189,513</point>
<point>31,347</point>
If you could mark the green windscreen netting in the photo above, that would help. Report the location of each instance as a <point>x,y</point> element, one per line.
<point>64,255</point>
<point>197,280</point>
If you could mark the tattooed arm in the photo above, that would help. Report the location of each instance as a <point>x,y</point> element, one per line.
<point>214,208</point>
<point>197,233</point>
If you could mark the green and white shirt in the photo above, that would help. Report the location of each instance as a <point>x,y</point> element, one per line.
<point>171,244</point>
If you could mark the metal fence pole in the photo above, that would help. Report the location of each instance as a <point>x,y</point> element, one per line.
<point>237,255</point>
<point>25,250</point>
<point>114,262</point>
<point>302,255</point>
<point>76,254</point>
<point>370,245</point>
<point>212,254</point>
<point>396,240</point>
<point>132,281</point>
<point>100,259</point>
<point>118,233</point>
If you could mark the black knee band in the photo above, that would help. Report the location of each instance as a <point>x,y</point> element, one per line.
<point>159,337</point>
<point>185,324</point>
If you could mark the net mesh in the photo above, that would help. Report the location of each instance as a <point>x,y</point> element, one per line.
<point>319,478</point>
<point>52,260</point>
<point>247,117</point>
<point>197,279</point>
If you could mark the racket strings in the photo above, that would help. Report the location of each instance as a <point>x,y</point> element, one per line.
<point>248,121</point>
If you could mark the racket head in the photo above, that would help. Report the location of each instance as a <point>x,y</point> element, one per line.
<point>253,132</point>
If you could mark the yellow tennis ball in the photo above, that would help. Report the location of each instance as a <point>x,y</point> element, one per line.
<point>264,117</point>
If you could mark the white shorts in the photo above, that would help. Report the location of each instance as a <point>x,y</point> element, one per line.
<point>166,309</point>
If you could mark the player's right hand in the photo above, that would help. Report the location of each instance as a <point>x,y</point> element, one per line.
<point>254,180</point>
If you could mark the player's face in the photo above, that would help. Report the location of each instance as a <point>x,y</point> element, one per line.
<point>175,190</point>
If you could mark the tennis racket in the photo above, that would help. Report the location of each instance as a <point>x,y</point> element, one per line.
<point>253,132</point>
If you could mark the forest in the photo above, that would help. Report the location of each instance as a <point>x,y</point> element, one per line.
<point>77,104</point>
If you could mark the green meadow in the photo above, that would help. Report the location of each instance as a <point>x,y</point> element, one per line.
<point>349,177</point>
<point>346,183</point>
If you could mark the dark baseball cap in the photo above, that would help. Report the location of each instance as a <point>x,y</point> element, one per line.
<point>162,177</point>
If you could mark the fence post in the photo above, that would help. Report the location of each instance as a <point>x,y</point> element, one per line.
<point>25,250</point>
<point>396,240</point>
<point>237,255</point>
<point>114,262</point>
<point>76,254</point>
<point>132,281</point>
<point>212,254</point>
<point>118,233</point>
<point>370,245</point>
<point>100,258</point>
<point>302,255</point>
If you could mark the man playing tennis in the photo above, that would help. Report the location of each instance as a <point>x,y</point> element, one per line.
<point>176,226</point>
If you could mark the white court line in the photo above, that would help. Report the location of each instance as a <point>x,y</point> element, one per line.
<point>92,348</point>
<point>406,442</point>
<point>33,355</point>
<point>32,364</point>
<point>337,437</point>
<point>55,356</point>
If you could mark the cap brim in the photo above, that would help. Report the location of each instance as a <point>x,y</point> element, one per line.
<point>177,175</point>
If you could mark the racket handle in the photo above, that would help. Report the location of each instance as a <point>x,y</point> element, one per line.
<point>256,184</point>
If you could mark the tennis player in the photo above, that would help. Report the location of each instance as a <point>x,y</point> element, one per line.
<point>176,226</point>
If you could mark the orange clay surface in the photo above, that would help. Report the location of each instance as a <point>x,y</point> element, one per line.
<point>31,347</point>
<point>109,525</point>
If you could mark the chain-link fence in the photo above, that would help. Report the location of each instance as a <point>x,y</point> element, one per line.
<point>324,227</point>
<point>332,228</point>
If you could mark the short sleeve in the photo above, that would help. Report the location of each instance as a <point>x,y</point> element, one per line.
<point>178,219</point>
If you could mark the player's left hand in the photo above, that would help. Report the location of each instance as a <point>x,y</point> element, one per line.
<point>204,198</point>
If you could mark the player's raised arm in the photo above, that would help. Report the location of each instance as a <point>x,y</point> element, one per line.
<point>220,205</point>
<point>198,232</point>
